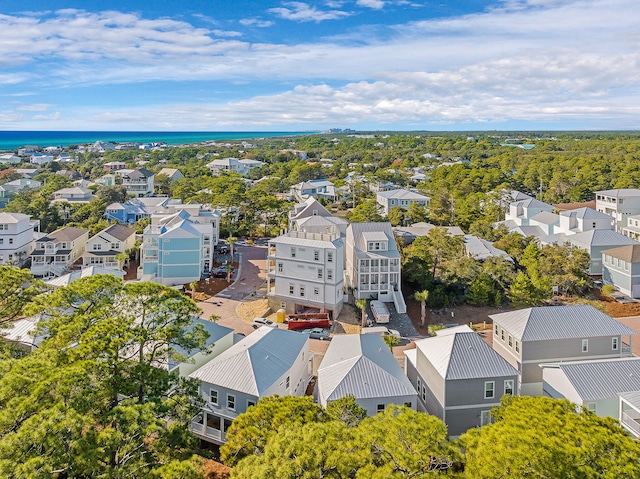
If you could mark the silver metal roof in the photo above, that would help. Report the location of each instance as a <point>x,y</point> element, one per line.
<point>599,238</point>
<point>464,355</point>
<point>254,364</point>
<point>560,322</point>
<point>602,379</point>
<point>361,365</point>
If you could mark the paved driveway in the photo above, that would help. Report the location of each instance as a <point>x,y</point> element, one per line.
<point>250,276</point>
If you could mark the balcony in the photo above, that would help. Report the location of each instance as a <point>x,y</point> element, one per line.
<point>630,419</point>
<point>208,432</point>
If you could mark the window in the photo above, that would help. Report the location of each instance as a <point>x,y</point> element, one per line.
<point>424,392</point>
<point>291,289</point>
<point>213,397</point>
<point>319,273</point>
<point>408,404</point>
<point>614,344</point>
<point>419,385</point>
<point>316,291</point>
<point>496,329</point>
<point>510,341</point>
<point>97,246</point>
<point>591,406</point>
<point>116,246</point>
<point>279,267</point>
<point>301,291</point>
<point>288,382</point>
<point>489,389</point>
<point>1,241</point>
<point>380,408</point>
<point>231,401</point>
<point>502,334</point>
<point>10,240</point>
<point>485,418</point>
<point>250,403</point>
<point>517,346</point>
<point>508,386</point>
<point>585,345</point>
<point>316,256</point>
<point>4,227</point>
<point>330,257</point>
<point>293,252</point>
<point>329,274</point>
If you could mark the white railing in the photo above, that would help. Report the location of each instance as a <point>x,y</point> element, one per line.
<point>631,422</point>
<point>208,432</point>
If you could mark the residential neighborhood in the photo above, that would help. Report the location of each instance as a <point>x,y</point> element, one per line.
<point>351,288</point>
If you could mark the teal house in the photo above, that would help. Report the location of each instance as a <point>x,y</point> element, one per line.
<point>176,249</point>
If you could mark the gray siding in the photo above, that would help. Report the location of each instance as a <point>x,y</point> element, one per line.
<point>471,391</point>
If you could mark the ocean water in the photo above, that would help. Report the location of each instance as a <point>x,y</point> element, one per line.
<point>12,140</point>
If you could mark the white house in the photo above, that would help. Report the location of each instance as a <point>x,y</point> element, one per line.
<point>305,270</point>
<point>233,165</point>
<point>620,204</point>
<point>372,269</point>
<point>269,361</point>
<point>55,253</point>
<point>316,189</point>
<point>400,198</point>
<point>594,384</point>
<point>102,248</point>
<point>39,159</point>
<point>74,194</point>
<point>311,208</point>
<point>10,158</point>
<point>581,220</point>
<point>173,174</point>
<point>363,366</point>
<point>17,237</point>
<point>139,182</point>
<point>520,212</point>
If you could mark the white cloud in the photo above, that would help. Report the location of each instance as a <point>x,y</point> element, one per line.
<point>537,59</point>
<point>302,12</point>
<point>255,22</point>
<point>35,107</point>
<point>374,4</point>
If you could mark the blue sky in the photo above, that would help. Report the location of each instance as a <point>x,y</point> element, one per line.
<point>206,65</point>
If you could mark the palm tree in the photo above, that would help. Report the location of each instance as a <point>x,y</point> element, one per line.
<point>231,241</point>
<point>193,285</point>
<point>361,304</point>
<point>423,297</point>
<point>121,258</point>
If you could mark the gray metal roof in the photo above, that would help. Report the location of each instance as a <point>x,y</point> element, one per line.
<point>464,355</point>
<point>402,194</point>
<point>357,230</point>
<point>602,379</point>
<point>560,322</point>
<point>254,364</point>
<point>599,238</point>
<point>632,397</point>
<point>481,249</point>
<point>624,192</point>
<point>586,213</point>
<point>546,217</point>
<point>361,365</point>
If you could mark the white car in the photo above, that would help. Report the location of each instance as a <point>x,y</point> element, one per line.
<point>257,322</point>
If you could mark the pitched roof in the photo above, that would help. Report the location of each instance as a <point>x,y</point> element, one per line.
<point>6,218</point>
<point>546,217</point>
<point>402,194</point>
<point>361,365</point>
<point>120,232</point>
<point>601,379</point>
<point>593,238</point>
<point>587,214</point>
<point>560,322</point>
<point>358,230</point>
<point>629,253</point>
<point>463,355</point>
<point>255,363</point>
<point>533,203</point>
<point>68,233</point>
<point>481,249</point>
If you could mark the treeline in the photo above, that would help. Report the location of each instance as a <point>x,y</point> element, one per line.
<point>291,437</point>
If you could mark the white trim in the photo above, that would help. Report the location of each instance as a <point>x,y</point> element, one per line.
<point>471,406</point>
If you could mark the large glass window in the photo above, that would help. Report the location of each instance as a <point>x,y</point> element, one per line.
<point>489,389</point>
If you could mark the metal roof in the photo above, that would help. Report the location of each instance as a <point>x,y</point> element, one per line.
<point>361,365</point>
<point>254,364</point>
<point>632,397</point>
<point>586,214</point>
<point>602,379</point>
<point>533,203</point>
<point>357,231</point>
<point>547,323</point>
<point>599,238</point>
<point>481,249</point>
<point>464,355</point>
<point>546,217</point>
<point>624,192</point>
<point>402,194</point>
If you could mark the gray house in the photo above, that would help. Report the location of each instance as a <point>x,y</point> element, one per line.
<point>362,365</point>
<point>269,361</point>
<point>595,385</point>
<point>595,242</point>
<point>459,378</point>
<point>530,337</point>
<point>621,269</point>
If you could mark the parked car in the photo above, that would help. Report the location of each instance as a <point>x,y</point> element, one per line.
<point>257,322</point>
<point>316,333</point>
<point>382,330</point>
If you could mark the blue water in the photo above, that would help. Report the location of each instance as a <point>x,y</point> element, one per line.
<point>12,140</point>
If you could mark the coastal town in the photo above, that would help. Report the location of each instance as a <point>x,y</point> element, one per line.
<point>390,270</point>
